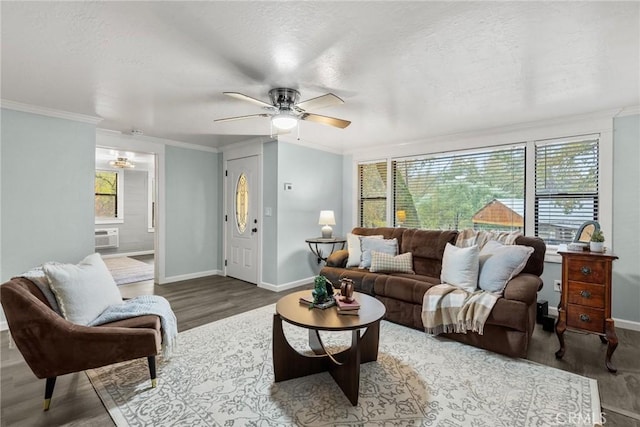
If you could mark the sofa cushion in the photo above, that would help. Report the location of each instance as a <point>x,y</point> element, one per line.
<point>385,263</point>
<point>460,267</point>
<point>427,248</point>
<point>500,263</point>
<point>354,246</point>
<point>387,246</point>
<point>83,291</point>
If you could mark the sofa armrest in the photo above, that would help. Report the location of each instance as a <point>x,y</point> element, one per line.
<point>338,258</point>
<point>524,287</point>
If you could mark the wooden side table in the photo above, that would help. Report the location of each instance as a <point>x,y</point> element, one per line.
<point>585,302</point>
<point>335,242</point>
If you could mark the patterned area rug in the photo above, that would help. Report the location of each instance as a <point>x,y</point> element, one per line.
<point>128,270</point>
<point>222,375</point>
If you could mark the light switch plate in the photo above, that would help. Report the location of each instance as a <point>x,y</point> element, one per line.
<point>288,186</point>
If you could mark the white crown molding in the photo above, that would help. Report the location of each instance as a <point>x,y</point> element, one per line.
<point>49,112</point>
<point>156,140</point>
<point>629,111</point>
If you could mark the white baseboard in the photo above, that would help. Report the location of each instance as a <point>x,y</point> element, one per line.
<point>151,252</point>
<point>188,276</point>
<point>285,286</point>
<point>620,323</point>
<point>3,326</point>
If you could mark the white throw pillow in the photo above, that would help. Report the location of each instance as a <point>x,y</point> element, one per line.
<point>460,267</point>
<point>500,263</point>
<point>354,246</point>
<point>83,291</point>
<point>387,246</point>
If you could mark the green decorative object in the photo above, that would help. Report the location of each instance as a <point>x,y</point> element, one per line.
<point>597,236</point>
<point>320,291</point>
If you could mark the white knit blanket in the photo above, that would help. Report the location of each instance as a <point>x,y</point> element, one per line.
<point>449,309</point>
<point>141,306</point>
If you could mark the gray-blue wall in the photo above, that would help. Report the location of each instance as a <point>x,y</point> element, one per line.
<point>48,167</point>
<point>193,211</point>
<point>316,177</point>
<point>270,223</point>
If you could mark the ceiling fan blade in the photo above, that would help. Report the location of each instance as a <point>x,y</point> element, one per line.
<point>325,120</point>
<point>322,101</point>
<point>231,119</point>
<point>244,97</point>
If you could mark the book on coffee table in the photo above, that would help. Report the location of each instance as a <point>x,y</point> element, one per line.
<point>308,301</point>
<point>346,306</point>
<point>347,312</point>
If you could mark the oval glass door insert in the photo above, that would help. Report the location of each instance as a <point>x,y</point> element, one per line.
<point>242,203</point>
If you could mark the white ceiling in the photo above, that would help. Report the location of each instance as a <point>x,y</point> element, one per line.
<point>406,70</point>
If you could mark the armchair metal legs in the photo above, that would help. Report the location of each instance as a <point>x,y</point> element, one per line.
<point>152,370</point>
<point>48,392</point>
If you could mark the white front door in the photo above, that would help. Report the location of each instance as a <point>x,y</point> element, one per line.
<point>242,219</point>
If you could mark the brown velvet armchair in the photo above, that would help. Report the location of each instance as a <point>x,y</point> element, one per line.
<point>52,346</point>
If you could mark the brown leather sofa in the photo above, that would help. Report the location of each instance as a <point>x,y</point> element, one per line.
<point>53,346</point>
<point>510,325</point>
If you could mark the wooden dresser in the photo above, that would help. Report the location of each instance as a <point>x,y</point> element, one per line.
<point>585,302</point>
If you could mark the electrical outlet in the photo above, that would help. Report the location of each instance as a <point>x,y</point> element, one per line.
<point>557,286</point>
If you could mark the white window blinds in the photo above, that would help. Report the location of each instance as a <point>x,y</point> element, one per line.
<point>566,187</point>
<point>483,190</point>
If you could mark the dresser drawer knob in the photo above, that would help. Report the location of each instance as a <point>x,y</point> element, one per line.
<point>585,270</point>
<point>585,317</point>
<point>585,294</point>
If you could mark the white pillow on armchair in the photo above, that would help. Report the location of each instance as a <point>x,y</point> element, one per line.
<point>83,291</point>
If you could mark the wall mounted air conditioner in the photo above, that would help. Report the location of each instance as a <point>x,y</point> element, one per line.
<point>107,238</point>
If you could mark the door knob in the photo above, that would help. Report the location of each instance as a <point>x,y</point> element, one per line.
<point>254,230</point>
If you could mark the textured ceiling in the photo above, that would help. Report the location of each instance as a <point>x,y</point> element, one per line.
<point>406,70</point>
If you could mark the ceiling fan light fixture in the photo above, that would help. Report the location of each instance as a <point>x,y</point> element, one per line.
<point>284,121</point>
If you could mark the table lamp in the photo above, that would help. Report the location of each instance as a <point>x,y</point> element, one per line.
<point>327,219</point>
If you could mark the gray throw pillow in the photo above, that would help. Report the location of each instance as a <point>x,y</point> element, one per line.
<point>387,246</point>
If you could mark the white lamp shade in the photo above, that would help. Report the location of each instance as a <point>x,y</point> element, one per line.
<point>327,218</point>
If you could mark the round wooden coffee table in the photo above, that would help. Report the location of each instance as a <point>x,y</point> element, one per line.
<point>344,366</point>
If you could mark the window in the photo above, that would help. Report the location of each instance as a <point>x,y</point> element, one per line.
<point>372,184</point>
<point>108,196</point>
<point>566,187</point>
<point>481,190</point>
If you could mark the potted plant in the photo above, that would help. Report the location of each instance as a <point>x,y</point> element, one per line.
<point>597,241</point>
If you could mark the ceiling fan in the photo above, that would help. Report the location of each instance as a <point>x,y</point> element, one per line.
<point>285,110</point>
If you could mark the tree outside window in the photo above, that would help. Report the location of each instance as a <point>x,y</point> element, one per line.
<point>106,194</point>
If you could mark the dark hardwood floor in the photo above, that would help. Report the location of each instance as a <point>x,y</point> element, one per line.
<point>200,301</point>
